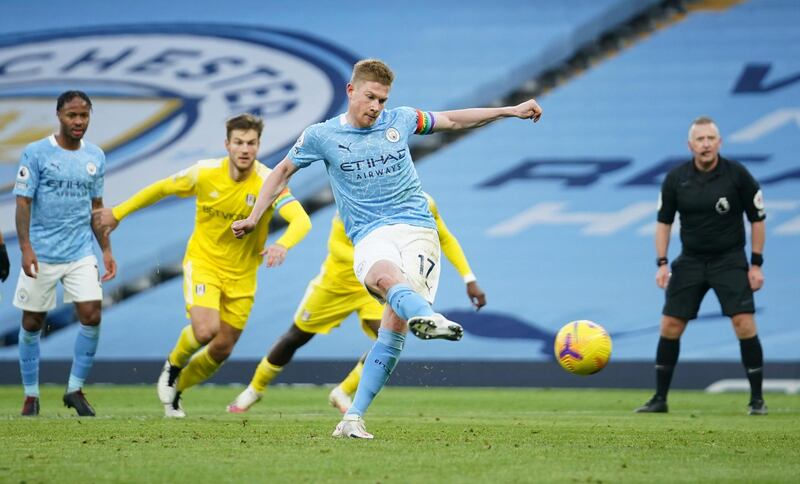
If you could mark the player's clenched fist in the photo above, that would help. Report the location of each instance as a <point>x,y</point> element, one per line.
<point>242,227</point>
<point>530,109</point>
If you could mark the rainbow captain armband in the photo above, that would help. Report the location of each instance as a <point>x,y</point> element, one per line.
<point>425,122</point>
<point>283,198</point>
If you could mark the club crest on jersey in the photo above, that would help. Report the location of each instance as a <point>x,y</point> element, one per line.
<point>163,88</point>
<point>722,206</point>
<point>250,199</point>
<point>91,168</point>
<point>393,135</point>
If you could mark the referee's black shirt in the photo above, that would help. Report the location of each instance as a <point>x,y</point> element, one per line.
<point>711,205</point>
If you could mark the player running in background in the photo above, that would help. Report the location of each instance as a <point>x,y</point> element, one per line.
<point>385,214</point>
<point>219,272</point>
<point>331,297</point>
<point>59,183</point>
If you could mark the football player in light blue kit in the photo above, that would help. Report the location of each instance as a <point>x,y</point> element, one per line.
<point>385,213</point>
<point>59,182</point>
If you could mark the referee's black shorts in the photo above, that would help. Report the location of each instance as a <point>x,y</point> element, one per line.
<point>692,276</point>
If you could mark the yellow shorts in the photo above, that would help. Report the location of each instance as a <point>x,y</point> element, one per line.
<point>209,288</point>
<point>323,309</point>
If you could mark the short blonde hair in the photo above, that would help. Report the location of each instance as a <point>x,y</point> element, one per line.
<point>374,70</point>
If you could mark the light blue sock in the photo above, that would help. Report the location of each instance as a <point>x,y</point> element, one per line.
<point>407,303</point>
<point>29,361</point>
<point>83,357</point>
<point>380,362</point>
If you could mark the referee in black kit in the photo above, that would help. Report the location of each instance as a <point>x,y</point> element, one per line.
<point>711,194</point>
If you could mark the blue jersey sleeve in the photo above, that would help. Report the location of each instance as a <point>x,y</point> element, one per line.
<point>407,120</point>
<point>416,121</point>
<point>27,175</point>
<point>100,176</point>
<point>306,149</point>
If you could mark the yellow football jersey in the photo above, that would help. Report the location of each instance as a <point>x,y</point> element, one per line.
<point>220,201</point>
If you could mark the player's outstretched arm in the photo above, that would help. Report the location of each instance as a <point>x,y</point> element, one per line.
<point>299,226</point>
<point>104,240</point>
<point>273,186</point>
<point>476,117</point>
<point>181,184</point>
<point>30,264</point>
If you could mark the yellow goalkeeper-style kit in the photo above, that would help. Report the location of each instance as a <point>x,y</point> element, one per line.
<point>219,269</point>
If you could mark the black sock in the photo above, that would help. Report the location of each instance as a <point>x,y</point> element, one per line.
<point>666,358</point>
<point>753,361</point>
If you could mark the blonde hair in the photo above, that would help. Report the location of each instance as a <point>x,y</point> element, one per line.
<point>374,70</point>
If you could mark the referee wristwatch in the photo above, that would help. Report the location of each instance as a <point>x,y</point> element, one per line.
<point>661,261</point>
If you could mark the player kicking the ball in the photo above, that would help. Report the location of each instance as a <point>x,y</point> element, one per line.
<point>331,297</point>
<point>385,214</point>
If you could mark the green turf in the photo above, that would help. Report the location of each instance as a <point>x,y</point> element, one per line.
<point>422,435</point>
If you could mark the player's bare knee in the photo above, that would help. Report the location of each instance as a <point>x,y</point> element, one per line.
<point>204,333</point>
<point>671,327</point>
<point>744,325</point>
<point>383,275</point>
<point>220,348</point>
<point>89,314</point>
<point>33,321</point>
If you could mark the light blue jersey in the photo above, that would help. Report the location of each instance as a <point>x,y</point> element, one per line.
<point>372,175</point>
<point>62,184</point>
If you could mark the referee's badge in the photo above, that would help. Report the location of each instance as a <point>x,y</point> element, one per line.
<point>250,199</point>
<point>723,206</point>
<point>393,135</point>
<point>758,200</point>
<point>200,289</point>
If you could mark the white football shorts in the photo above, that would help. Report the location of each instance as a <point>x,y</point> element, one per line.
<point>415,250</point>
<point>81,281</point>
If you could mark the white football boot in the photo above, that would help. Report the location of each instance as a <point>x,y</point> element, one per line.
<point>167,381</point>
<point>174,409</point>
<point>339,399</point>
<point>435,327</point>
<point>351,427</point>
<point>245,400</point>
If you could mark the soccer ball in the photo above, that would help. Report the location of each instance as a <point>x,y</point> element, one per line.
<point>583,347</point>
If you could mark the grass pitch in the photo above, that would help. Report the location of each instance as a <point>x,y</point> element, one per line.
<point>429,435</point>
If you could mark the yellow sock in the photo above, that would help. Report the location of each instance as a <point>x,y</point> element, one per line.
<point>199,369</point>
<point>350,383</point>
<point>265,373</point>
<point>186,346</point>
